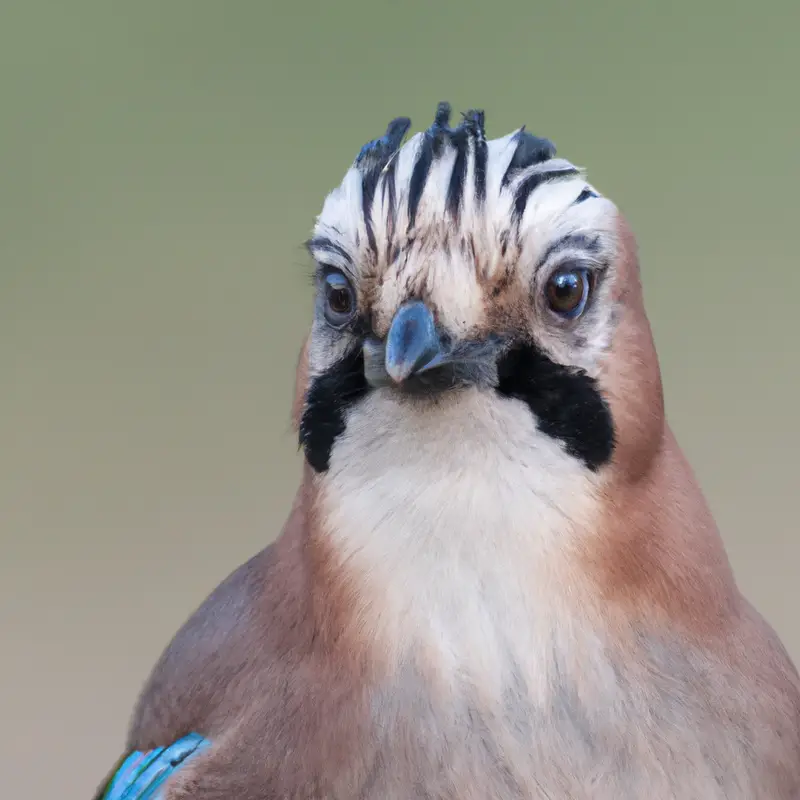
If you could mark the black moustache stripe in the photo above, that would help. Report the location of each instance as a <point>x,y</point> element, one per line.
<point>566,402</point>
<point>328,399</point>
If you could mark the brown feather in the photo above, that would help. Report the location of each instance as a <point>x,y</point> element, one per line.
<point>669,685</point>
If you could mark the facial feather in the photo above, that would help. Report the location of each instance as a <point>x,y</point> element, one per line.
<point>455,513</point>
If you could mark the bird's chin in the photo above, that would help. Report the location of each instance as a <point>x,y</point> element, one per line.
<point>434,382</point>
<point>444,380</point>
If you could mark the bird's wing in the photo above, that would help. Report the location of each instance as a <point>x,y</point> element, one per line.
<point>141,775</point>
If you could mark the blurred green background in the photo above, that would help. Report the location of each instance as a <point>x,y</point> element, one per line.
<point>160,166</point>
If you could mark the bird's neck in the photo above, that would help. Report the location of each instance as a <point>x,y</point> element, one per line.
<point>455,533</point>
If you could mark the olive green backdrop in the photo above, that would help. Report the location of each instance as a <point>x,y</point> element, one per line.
<point>160,166</point>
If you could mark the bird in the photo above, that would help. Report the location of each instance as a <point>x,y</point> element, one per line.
<point>499,577</point>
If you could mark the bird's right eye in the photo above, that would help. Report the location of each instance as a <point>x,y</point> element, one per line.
<point>340,301</point>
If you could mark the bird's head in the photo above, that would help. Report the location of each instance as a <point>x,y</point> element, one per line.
<point>466,284</point>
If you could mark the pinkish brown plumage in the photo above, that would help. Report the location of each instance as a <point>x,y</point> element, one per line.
<point>499,578</point>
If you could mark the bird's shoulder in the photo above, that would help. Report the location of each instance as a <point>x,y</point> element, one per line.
<point>205,677</point>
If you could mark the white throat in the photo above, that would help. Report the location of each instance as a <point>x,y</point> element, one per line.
<point>455,523</point>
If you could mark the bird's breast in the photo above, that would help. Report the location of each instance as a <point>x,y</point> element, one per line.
<point>456,533</point>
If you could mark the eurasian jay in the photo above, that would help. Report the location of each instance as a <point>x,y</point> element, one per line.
<point>499,578</point>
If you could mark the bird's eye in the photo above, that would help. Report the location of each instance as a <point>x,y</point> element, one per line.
<point>340,301</point>
<point>567,292</point>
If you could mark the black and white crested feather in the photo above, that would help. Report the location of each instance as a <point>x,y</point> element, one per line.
<point>529,150</point>
<point>375,154</point>
<point>372,159</point>
<point>446,178</point>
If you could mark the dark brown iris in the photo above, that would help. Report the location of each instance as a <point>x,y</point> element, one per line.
<point>567,292</point>
<point>339,299</point>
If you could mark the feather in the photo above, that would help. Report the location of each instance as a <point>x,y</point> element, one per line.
<point>141,775</point>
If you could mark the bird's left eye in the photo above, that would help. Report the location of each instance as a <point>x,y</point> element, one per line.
<point>340,302</point>
<point>567,292</point>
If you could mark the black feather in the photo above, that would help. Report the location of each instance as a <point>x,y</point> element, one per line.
<point>419,176</point>
<point>371,160</point>
<point>474,125</point>
<point>455,189</point>
<point>533,182</point>
<point>530,150</point>
<point>566,403</point>
<point>328,399</point>
<point>584,195</point>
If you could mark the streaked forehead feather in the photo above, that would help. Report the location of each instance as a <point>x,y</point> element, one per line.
<point>446,177</point>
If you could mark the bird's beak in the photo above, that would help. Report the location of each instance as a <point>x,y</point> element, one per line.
<point>412,343</point>
<point>418,358</point>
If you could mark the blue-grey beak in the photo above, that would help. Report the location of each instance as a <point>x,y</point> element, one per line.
<point>418,358</point>
<point>412,343</point>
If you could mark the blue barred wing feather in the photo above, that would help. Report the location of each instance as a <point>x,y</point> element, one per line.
<point>142,775</point>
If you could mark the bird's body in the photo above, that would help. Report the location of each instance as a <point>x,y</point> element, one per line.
<point>499,578</point>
